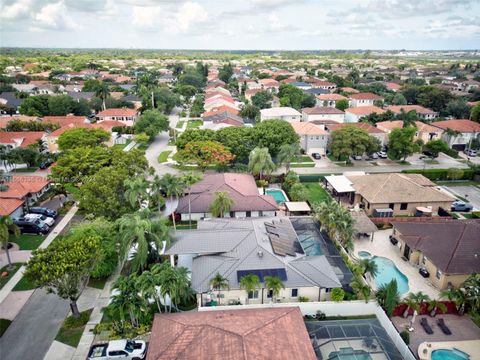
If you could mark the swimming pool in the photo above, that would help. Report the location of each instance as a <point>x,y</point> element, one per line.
<point>364,255</point>
<point>310,245</point>
<point>444,354</point>
<point>387,271</point>
<point>277,194</point>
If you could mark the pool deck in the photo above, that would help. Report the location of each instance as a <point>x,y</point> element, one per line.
<point>471,347</point>
<point>381,246</point>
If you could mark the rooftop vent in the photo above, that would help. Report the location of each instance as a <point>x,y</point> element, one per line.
<point>260,253</point>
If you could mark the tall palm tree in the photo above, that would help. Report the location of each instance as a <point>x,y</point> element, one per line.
<point>7,226</point>
<point>260,162</point>
<point>174,282</point>
<point>189,179</point>
<point>219,282</point>
<point>287,153</point>
<point>388,296</point>
<point>275,284</point>
<point>147,284</point>
<point>249,283</point>
<point>173,186</point>
<point>126,300</point>
<point>434,305</point>
<point>458,296</point>
<point>369,266</point>
<point>156,193</point>
<point>102,92</point>
<point>136,190</point>
<point>222,203</point>
<point>413,301</point>
<point>362,290</point>
<point>139,229</point>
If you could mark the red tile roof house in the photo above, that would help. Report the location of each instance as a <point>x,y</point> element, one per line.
<point>25,188</point>
<point>11,207</point>
<point>393,86</point>
<point>247,202</point>
<point>354,114</point>
<point>124,115</point>
<point>327,85</point>
<point>323,113</point>
<point>65,120</point>
<point>242,334</point>
<point>425,132</point>
<point>363,99</point>
<point>329,99</point>
<point>20,139</point>
<point>220,109</point>
<point>467,131</point>
<point>372,130</point>
<point>422,112</point>
<point>224,117</point>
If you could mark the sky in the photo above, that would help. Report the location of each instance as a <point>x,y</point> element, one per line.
<point>242,24</point>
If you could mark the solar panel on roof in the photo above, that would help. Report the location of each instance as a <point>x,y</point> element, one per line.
<point>261,273</point>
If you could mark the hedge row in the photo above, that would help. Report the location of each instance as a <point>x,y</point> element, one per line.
<point>314,177</point>
<point>441,174</point>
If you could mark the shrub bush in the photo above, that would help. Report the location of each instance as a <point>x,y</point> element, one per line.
<point>337,294</point>
<point>441,174</point>
<point>303,299</point>
<point>405,335</point>
<point>72,322</point>
<point>321,315</point>
<point>452,153</point>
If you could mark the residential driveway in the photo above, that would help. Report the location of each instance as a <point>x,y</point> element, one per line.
<point>33,330</point>
<point>471,193</point>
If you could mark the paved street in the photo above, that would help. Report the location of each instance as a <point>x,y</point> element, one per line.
<point>471,193</point>
<point>33,330</point>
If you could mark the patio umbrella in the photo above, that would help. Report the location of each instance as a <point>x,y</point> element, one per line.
<point>413,318</point>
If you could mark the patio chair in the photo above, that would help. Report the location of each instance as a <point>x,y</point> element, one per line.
<point>426,326</point>
<point>443,327</point>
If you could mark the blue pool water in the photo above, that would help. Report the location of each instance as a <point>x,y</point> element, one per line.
<point>310,245</point>
<point>278,195</point>
<point>454,354</point>
<point>387,271</point>
<point>364,254</point>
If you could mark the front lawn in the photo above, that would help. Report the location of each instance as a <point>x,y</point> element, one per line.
<point>431,162</point>
<point>27,241</point>
<point>97,283</point>
<point>28,169</point>
<point>4,280</point>
<point>193,124</point>
<point>303,158</point>
<point>4,324</point>
<point>316,193</point>
<point>23,285</point>
<point>180,124</point>
<point>302,165</point>
<point>163,156</point>
<point>72,329</point>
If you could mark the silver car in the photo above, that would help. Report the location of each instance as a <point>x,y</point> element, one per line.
<point>47,220</point>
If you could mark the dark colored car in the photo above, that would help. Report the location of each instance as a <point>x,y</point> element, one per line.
<point>424,272</point>
<point>45,164</point>
<point>316,156</point>
<point>44,211</point>
<point>32,227</point>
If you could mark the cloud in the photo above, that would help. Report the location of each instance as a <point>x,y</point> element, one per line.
<point>15,10</point>
<point>187,15</point>
<point>53,16</point>
<point>147,18</point>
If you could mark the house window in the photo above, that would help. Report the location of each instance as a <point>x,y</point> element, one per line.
<point>403,206</point>
<point>391,206</point>
<point>318,137</point>
<point>253,294</point>
<point>232,214</point>
<point>424,260</point>
<point>270,294</point>
<point>294,293</point>
<point>327,290</point>
<point>311,137</point>
<point>249,214</point>
<point>438,274</point>
<point>260,213</point>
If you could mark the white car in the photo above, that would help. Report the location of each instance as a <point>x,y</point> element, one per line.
<point>47,220</point>
<point>382,154</point>
<point>119,349</point>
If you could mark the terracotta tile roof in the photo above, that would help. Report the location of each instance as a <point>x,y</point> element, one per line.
<point>64,128</point>
<point>473,103</point>
<point>393,86</point>
<point>365,110</point>
<point>224,117</point>
<point>269,82</point>
<point>217,93</point>
<point>126,112</point>
<point>322,110</point>
<point>452,245</point>
<point>307,128</point>
<point>8,206</point>
<point>23,138</point>
<point>361,125</point>
<point>419,109</point>
<point>350,90</point>
<point>398,124</point>
<point>20,186</point>
<point>220,109</point>
<point>365,96</point>
<point>219,98</point>
<point>323,83</point>
<point>331,97</point>
<point>64,120</point>
<point>462,125</point>
<point>108,124</point>
<point>243,334</point>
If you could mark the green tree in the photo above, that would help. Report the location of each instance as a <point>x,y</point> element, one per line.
<point>249,111</point>
<point>219,282</point>
<point>195,135</point>
<point>189,179</point>
<point>298,192</point>
<point>60,105</point>
<point>136,191</point>
<point>35,106</point>
<point>151,122</point>
<point>458,109</point>
<point>401,143</point>
<point>187,91</point>
<point>350,140</point>
<point>274,284</point>
<point>82,137</point>
<point>174,283</point>
<point>7,226</point>
<point>288,153</point>
<point>64,267</point>
<point>262,100</point>
<point>205,153</point>
<point>294,97</point>
<point>455,173</point>
<point>91,85</point>
<point>475,113</point>
<point>126,300</point>
<point>249,283</point>
<point>147,284</point>
<point>238,140</point>
<point>369,266</point>
<point>225,73</point>
<point>102,92</point>
<point>436,147</point>
<point>337,295</point>
<point>260,162</point>
<point>272,134</point>
<point>399,99</point>
<point>388,297</point>
<point>362,290</point>
<point>221,204</point>
<point>341,104</point>
<point>27,156</point>
<point>172,186</point>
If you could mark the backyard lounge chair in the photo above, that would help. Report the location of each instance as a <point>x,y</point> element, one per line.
<point>445,329</point>
<point>426,327</point>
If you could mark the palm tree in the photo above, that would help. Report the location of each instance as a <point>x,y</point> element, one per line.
<point>222,203</point>
<point>147,284</point>
<point>136,190</point>
<point>126,300</point>
<point>156,194</point>
<point>218,282</point>
<point>102,92</point>
<point>7,226</point>
<point>362,290</point>
<point>173,186</point>
<point>190,179</point>
<point>139,229</point>
<point>434,305</point>
<point>260,162</point>
<point>174,282</point>
<point>458,296</point>
<point>369,266</point>
<point>388,297</point>
<point>249,283</point>
<point>287,153</point>
<point>275,284</point>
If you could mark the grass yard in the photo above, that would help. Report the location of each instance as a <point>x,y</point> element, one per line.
<point>458,183</point>
<point>304,165</point>
<point>431,162</point>
<point>163,156</point>
<point>4,280</point>
<point>183,225</point>
<point>30,169</point>
<point>27,241</point>
<point>23,285</point>
<point>4,324</point>
<point>180,124</point>
<point>402,162</point>
<point>193,124</point>
<point>72,329</point>
<point>316,193</point>
<point>303,158</point>
<point>97,283</point>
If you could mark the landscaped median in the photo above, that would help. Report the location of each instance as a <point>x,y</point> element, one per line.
<point>163,156</point>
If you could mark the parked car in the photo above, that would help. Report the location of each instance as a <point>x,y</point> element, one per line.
<point>45,164</point>
<point>31,226</point>
<point>316,156</point>
<point>373,156</point>
<point>429,154</point>
<point>382,154</point>
<point>46,219</point>
<point>119,349</point>
<point>471,152</point>
<point>44,211</point>
<point>357,157</point>
<point>424,272</point>
<point>461,206</point>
